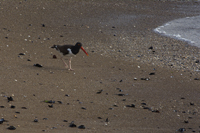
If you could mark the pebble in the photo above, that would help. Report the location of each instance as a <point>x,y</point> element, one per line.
<point>10,99</point>
<point>35,120</point>
<point>11,128</point>
<point>132,105</point>
<point>1,120</point>
<point>37,65</point>
<point>12,106</point>
<point>99,92</point>
<point>81,127</point>
<point>72,124</point>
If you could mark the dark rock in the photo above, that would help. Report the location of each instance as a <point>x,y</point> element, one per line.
<point>21,53</point>
<point>50,106</point>
<point>181,130</point>
<point>120,94</point>
<point>81,127</point>
<point>2,107</point>
<point>54,56</point>
<point>45,118</point>
<point>37,65</point>
<point>151,73</point>
<point>10,99</point>
<point>35,120</point>
<point>17,112</point>
<point>99,92</point>
<point>28,60</point>
<point>143,103</point>
<point>11,128</point>
<point>186,121</point>
<point>1,120</point>
<point>83,108</point>
<point>151,47</point>
<point>60,102</point>
<point>197,61</point>
<point>72,124</point>
<point>107,120</point>
<point>191,103</point>
<point>156,111</point>
<point>24,107</point>
<point>196,78</point>
<point>66,95</point>
<point>65,121</point>
<point>43,25</point>
<point>121,80</point>
<point>132,105</point>
<point>12,106</point>
<point>99,117</point>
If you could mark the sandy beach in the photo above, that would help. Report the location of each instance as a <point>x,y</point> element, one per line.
<point>134,80</point>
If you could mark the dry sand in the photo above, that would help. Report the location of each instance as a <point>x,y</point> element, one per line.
<point>117,36</point>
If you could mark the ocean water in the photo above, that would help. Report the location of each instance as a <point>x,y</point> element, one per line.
<point>185,29</point>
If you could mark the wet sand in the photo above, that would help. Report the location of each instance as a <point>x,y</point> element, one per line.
<point>122,86</point>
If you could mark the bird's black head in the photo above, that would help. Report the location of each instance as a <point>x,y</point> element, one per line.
<point>78,44</point>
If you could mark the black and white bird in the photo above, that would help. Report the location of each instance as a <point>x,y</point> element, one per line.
<point>69,50</point>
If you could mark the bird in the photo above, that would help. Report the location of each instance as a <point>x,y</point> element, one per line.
<point>69,50</point>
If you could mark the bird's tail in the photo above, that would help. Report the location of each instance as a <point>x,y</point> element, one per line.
<point>54,46</point>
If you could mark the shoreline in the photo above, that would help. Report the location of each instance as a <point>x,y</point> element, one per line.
<point>122,86</point>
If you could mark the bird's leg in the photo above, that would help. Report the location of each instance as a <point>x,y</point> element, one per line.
<point>66,66</point>
<point>70,67</point>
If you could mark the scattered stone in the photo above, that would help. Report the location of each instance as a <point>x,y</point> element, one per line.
<point>81,127</point>
<point>60,102</point>
<point>99,92</point>
<point>151,47</point>
<point>43,25</point>
<point>65,121</point>
<point>99,117</point>
<point>143,103</point>
<point>132,105</point>
<point>156,111</point>
<point>21,53</point>
<point>120,94</point>
<point>11,128</point>
<point>191,103</point>
<point>121,80</point>
<point>12,106</point>
<point>181,130</point>
<point>186,121</point>
<point>17,112</point>
<point>1,120</point>
<point>135,78</point>
<point>197,61</point>
<point>54,57</point>
<point>24,107</point>
<point>66,95</point>
<point>37,65</point>
<point>10,99</point>
<point>83,108</point>
<point>196,78</point>
<point>152,73</point>
<point>107,120</point>
<point>2,107</point>
<point>72,124</point>
<point>45,118</point>
<point>35,120</point>
<point>28,60</point>
<point>50,106</point>
<point>145,79</point>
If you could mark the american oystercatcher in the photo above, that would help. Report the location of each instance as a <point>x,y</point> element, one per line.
<point>69,50</point>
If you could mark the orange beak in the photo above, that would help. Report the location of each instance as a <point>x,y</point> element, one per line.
<point>84,51</point>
